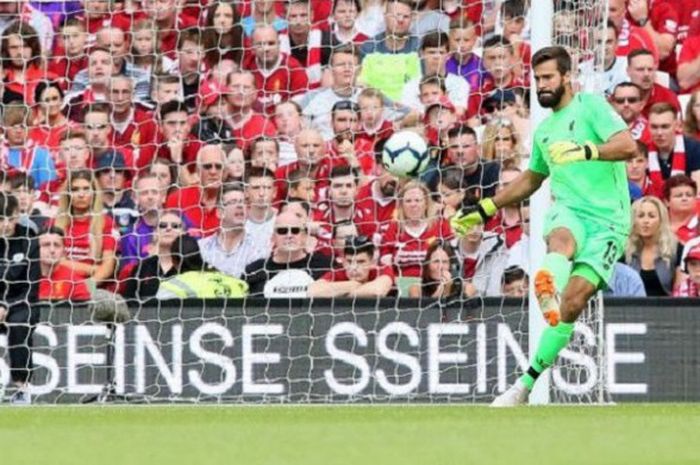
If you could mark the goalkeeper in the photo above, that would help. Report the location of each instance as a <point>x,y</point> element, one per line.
<point>582,146</point>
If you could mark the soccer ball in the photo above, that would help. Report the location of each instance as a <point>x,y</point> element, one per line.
<point>405,154</point>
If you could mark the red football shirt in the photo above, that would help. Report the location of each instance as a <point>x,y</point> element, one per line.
<point>78,236</point>
<point>632,37</point>
<point>140,130</point>
<point>341,275</point>
<point>382,211</point>
<point>253,127</point>
<point>276,85</point>
<point>326,218</point>
<point>64,284</point>
<point>409,250</point>
<point>689,53</point>
<point>204,221</point>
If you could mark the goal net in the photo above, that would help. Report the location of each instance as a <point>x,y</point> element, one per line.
<point>217,167</point>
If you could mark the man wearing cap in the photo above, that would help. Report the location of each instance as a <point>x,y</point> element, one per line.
<point>434,53</point>
<point>690,285</point>
<point>361,275</point>
<point>112,174</point>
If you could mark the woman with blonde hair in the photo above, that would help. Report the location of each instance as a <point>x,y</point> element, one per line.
<point>691,124</point>
<point>89,239</point>
<point>652,247</point>
<point>406,240</point>
<point>501,143</point>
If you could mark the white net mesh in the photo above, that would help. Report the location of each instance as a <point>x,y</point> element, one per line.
<point>133,122</point>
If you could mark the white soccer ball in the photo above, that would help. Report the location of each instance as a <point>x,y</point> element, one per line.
<point>405,154</point>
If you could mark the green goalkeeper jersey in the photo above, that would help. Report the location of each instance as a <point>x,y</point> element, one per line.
<point>593,189</point>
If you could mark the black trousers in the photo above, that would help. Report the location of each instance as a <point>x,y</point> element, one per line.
<point>19,325</point>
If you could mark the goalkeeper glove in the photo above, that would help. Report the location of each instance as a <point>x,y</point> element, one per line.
<point>472,215</point>
<point>563,152</point>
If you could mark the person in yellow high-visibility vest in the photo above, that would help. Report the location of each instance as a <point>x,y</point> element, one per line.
<point>195,280</point>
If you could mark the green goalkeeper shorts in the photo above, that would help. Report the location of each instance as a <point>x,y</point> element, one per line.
<point>597,246</point>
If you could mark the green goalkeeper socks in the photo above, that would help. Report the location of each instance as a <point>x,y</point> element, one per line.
<point>560,267</point>
<point>553,340</point>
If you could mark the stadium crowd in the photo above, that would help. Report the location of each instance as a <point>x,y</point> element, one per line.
<point>175,148</point>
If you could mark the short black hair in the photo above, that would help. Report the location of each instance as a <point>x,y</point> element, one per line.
<point>462,130</point>
<point>341,105</point>
<point>513,273</point>
<point>172,106</point>
<point>42,86</point>
<point>52,230</point>
<point>258,172</point>
<point>638,53</point>
<point>513,9</point>
<point>343,170</point>
<point>497,41</point>
<point>627,84</point>
<point>556,53</point>
<point>435,39</point>
<point>355,245</point>
<point>9,205</point>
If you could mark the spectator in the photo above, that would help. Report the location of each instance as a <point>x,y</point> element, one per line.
<point>497,62</point>
<point>112,178</point>
<point>373,124</point>
<point>246,124</point>
<point>451,192</point>
<point>173,142</point>
<point>290,269</point>
<point>165,88</point>
<point>440,117</point>
<point>680,194</point>
<point>434,53</point>
<point>463,61</point>
<point>22,62</point>
<point>440,275</point>
<point>689,65</point>
<point>260,192</point>
<point>301,186</point>
<point>626,99</point>
<point>71,57</point>
<point>58,281</point>
<point>193,280</point>
<point>21,272</point>
<point>507,221</point>
<point>343,25</point>
<point>501,144</point>
<point>198,202</point>
<point>671,152</point>
<point>483,257</point>
<point>691,125</point>
<point>379,198</point>
<point>137,243</point>
<point>625,282</point>
<point>310,46</point>
<point>223,33</point>
<point>232,248</point>
<point>101,68</point>
<point>317,104</point>
<point>289,123</point>
<point>264,153</point>
<point>638,173</point>
<point>615,68</point>
<point>360,276</point>
<point>21,187</point>
<point>157,263</point>
<point>660,20</point>
<point>115,42</point>
<point>463,152</point>
<point>21,154</point>
<point>16,10</point>
<point>89,237</point>
<point>133,124</point>
<point>310,150</point>
<point>166,172</point>
<point>641,69</point>
<point>235,164</point>
<point>513,14</point>
<point>389,59</point>
<point>278,76</point>
<point>73,155</point>
<point>171,23</point>
<point>190,52</point>
<point>630,37</point>
<point>519,253</point>
<point>651,248</point>
<point>405,242</point>
<point>143,54</point>
<point>50,122</point>
<point>690,285</point>
<point>515,282</point>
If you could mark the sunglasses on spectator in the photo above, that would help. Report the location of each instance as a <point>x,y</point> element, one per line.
<point>208,166</point>
<point>294,230</point>
<point>621,100</point>
<point>166,225</point>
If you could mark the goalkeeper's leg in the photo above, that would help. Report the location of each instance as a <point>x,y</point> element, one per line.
<point>554,338</point>
<point>553,275</point>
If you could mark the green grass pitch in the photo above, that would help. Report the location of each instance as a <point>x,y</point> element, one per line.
<point>382,435</point>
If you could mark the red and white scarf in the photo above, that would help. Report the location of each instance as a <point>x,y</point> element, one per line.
<point>687,288</point>
<point>678,160</point>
